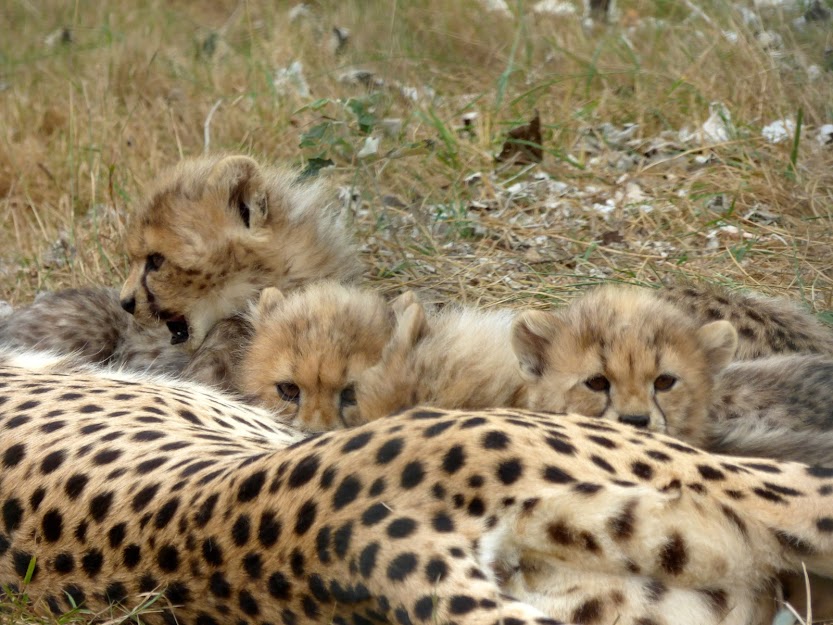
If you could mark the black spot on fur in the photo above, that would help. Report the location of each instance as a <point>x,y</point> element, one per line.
<point>673,556</point>
<point>115,593</point>
<point>248,604</point>
<point>454,459</point>
<point>347,492</point>
<point>279,587</point>
<point>212,553</point>
<point>389,451</point>
<point>495,440</point>
<point>131,556</point>
<point>92,561</point>
<point>442,523</point>
<point>557,476</point>
<point>251,487</point>
<point>437,429</point>
<point>342,538</point>
<point>374,514</point>
<point>436,570</point>
<point>825,524</point>
<point>168,558</point>
<point>357,442</point>
<point>219,586</point>
<point>75,485</point>
<point>820,472</point>
<point>588,612</point>
<point>36,498</point>
<point>12,514</point>
<point>144,497</point>
<point>269,530</point>
<point>401,527</point>
<point>53,461</point>
<point>64,563</point>
<point>52,525</point>
<point>304,471</point>
<point>461,604</point>
<point>206,509</point>
<point>13,455</point>
<point>510,471</point>
<point>367,559</point>
<point>402,566</point>
<point>306,517</point>
<point>241,530</point>
<point>710,473</point>
<point>642,470</point>
<point>100,506</point>
<point>622,525</point>
<point>412,475</point>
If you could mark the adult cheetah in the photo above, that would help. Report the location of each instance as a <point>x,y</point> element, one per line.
<point>118,486</point>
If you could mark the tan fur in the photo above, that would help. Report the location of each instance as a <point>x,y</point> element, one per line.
<point>118,485</point>
<point>627,340</point>
<point>457,358</point>
<point>194,259</point>
<point>765,325</point>
<point>320,340</point>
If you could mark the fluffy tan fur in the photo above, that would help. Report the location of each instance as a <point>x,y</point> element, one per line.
<point>457,358</point>
<point>216,230</point>
<point>309,349</point>
<point>765,325</point>
<point>624,355</point>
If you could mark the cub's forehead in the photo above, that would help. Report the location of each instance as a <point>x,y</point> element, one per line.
<point>184,183</point>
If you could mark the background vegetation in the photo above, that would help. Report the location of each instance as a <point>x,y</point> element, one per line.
<point>97,97</point>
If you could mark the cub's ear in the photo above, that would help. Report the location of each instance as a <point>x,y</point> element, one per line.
<point>270,299</point>
<point>720,342</point>
<point>411,326</point>
<point>533,332</point>
<point>402,301</point>
<point>247,199</point>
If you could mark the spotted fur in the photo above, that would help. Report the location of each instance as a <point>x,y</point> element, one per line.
<point>766,326</point>
<point>119,486</point>
<point>776,407</point>
<point>90,324</point>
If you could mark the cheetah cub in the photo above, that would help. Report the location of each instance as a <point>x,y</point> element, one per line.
<point>459,357</point>
<point>766,325</point>
<point>89,324</point>
<point>775,407</point>
<point>624,355</point>
<point>308,351</point>
<point>216,230</point>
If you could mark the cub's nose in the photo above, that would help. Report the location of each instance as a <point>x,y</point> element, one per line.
<point>129,305</point>
<point>636,420</point>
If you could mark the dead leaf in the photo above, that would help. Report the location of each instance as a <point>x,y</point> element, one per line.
<point>523,144</point>
<point>612,236</point>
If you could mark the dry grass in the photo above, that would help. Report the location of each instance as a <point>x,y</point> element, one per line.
<point>97,97</point>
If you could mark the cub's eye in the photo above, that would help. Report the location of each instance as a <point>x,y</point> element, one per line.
<point>348,396</point>
<point>600,384</point>
<point>665,382</point>
<point>289,391</point>
<point>154,262</point>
